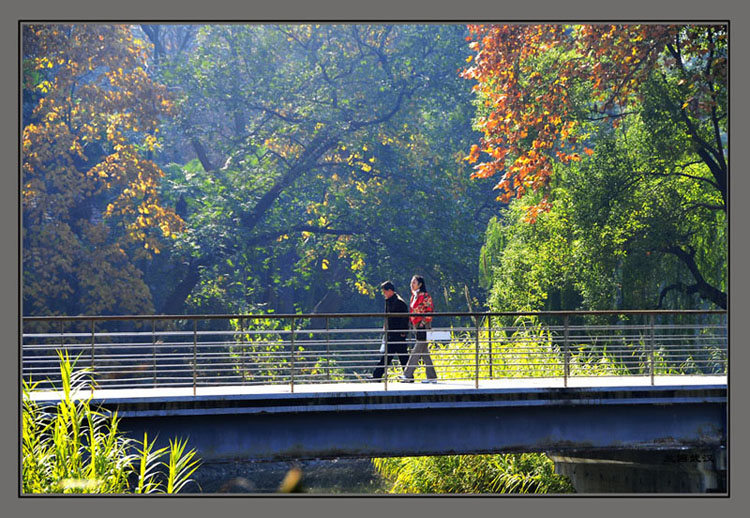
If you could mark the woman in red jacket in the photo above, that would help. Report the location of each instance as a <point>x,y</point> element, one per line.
<point>421,302</point>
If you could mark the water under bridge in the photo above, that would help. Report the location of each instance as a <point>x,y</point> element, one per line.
<point>621,401</point>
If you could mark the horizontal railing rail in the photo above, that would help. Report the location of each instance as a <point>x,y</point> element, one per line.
<point>130,351</point>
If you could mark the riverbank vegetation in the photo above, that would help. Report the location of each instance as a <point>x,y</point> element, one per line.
<point>74,448</point>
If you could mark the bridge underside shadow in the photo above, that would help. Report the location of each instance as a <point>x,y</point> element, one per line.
<point>421,431</point>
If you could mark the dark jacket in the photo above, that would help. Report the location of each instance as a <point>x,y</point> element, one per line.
<point>396,304</point>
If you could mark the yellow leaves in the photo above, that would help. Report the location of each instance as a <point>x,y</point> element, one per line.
<point>358,264</point>
<point>366,168</point>
<point>362,288</point>
<point>473,154</point>
<point>324,264</point>
<point>150,141</point>
<point>44,86</point>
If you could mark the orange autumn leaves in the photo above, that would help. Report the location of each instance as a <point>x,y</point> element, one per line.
<point>524,75</point>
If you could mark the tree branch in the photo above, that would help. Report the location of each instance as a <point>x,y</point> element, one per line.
<point>688,290</point>
<point>684,175</point>
<point>705,206</point>
<point>270,236</point>
<point>713,158</point>
<point>314,150</point>
<point>360,124</point>
<point>705,290</point>
<point>202,155</point>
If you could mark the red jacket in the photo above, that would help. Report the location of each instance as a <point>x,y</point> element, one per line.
<point>421,302</point>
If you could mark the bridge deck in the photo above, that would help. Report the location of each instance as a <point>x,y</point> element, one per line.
<point>362,419</point>
<point>363,388</point>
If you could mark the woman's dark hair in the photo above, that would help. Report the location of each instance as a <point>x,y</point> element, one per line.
<point>420,280</point>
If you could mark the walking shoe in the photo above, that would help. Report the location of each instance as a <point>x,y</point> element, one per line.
<point>404,379</point>
<point>429,381</point>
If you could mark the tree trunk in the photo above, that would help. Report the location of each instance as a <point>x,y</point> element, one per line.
<point>175,303</point>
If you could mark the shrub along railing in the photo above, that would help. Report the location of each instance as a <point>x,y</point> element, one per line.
<point>267,349</point>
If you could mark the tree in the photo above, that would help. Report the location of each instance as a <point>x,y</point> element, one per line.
<point>91,212</point>
<point>316,144</point>
<point>547,94</point>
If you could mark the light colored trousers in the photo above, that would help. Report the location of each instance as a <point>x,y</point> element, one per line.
<point>420,352</point>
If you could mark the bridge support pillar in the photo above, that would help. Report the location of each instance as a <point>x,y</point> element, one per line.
<point>685,471</point>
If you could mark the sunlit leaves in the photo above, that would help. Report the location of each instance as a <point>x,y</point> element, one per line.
<point>530,79</point>
<point>92,113</point>
<point>384,186</point>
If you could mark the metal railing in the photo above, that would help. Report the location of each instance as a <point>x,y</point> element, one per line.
<point>213,350</point>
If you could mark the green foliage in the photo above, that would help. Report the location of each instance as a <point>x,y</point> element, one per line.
<point>638,220</point>
<point>386,194</point>
<point>608,240</point>
<point>73,448</point>
<point>473,474</point>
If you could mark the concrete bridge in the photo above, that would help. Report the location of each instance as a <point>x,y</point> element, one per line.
<point>607,434</point>
<point>654,418</point>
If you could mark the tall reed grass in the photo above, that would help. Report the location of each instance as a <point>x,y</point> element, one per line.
<point>74,448</point>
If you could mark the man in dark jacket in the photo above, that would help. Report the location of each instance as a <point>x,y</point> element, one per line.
<point>398,327</point>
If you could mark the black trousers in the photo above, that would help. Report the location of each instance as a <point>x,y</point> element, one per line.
<point>397,346</point>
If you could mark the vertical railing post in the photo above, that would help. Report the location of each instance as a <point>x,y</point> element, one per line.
<point>566,350</point>
<point>243,372</point>
<point>328,350</point>
<point>153,349</point>
<point>62,337</point>
<point>195,356</point>
<point>291,381</point>
<point>385,358</point>
<point>476,355</point>
<point>489,341</point>
<point>93,349</point>
<point>651,351</point>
